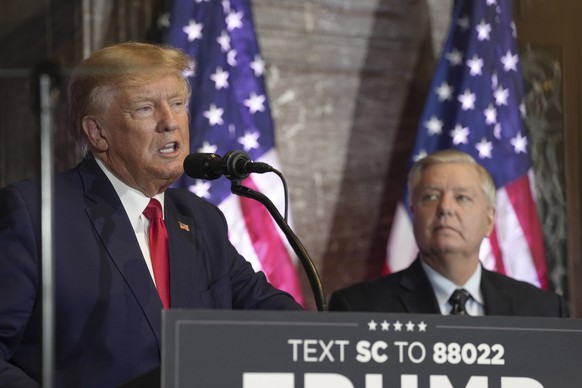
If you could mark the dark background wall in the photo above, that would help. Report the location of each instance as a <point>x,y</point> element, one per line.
<point>347,82</point>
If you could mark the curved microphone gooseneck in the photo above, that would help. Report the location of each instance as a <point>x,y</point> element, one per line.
<point>308,265</point>
<point>237,165</point>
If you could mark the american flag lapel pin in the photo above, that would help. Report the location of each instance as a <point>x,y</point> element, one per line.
<point>183,226</point>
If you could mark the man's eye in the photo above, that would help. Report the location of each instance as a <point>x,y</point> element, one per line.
<point>145,108</point>
<point>178,105</point>
<point>463,198</point>
<point>429,197</point>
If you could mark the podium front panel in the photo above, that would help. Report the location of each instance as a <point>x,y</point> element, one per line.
<point>280,349</point>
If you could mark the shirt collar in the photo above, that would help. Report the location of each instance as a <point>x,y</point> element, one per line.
<point>134,201</point>
<point>443,287</point>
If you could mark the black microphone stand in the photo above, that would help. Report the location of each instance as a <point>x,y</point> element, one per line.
<point>297,246</point>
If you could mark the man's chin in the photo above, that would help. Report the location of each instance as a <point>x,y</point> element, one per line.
<point>173,171</point>
<point>172,178</point>
<point>447,248</point>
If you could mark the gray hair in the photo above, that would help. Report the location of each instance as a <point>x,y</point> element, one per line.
<point>451,156</point>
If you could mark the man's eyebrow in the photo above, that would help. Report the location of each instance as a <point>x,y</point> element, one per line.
<point>153,96</point>
<point>429,187</point>
<point>464,190</point>
<point>141,96</point>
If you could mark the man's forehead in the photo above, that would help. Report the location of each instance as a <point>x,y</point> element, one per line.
<point>453,169</point>
<point>456,188</point>
<point>165,87</point>
<point>458,175</point>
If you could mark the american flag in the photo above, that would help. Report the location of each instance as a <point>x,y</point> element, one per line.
<point>229,110</point>
<point>475,105</point>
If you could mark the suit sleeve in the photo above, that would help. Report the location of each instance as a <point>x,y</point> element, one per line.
<point>234,278</point>
<point>338,302</point>
<point>18,283</point>
<point>250,289</point>
<point>564,310</point>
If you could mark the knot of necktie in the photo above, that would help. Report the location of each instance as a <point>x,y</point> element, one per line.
<point>458,301</point>
<point>153,211</point>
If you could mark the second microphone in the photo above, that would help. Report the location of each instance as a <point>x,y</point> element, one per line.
<point>235,165</point>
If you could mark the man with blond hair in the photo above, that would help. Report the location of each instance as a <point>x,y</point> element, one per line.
<point>126,245</point>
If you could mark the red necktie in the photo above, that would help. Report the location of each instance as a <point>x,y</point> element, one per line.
<point>158,236</point>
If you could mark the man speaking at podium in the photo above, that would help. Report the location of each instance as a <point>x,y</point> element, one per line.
<point>126,245</point>
<point>453,208</point>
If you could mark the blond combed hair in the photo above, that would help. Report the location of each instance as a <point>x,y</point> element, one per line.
<point>114,68</point>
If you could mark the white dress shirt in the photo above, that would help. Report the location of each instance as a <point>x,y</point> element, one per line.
<point>444,288</point>
<point>134,202</point>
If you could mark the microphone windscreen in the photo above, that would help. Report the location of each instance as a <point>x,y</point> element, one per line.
<point>198,166</point>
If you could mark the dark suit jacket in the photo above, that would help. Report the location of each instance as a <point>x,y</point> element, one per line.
<point>108,312</point>
<point>410,291</point>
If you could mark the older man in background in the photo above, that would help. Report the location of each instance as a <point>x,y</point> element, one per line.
<point>453,208</point>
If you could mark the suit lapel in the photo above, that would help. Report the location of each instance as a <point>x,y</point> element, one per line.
<point>117,236</point>
<point>186,267</point>
<point>419,297</point>
<point>497,301</point>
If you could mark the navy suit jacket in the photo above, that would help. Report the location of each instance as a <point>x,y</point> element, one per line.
<point>410,291</point>
<point>108,312</point>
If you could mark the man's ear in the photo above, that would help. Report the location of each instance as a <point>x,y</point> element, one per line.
<point>411,204</point>
<point>94,133</point>
<point>490,220</point>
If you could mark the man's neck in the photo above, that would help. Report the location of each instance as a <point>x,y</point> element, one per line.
<point>458,269</point>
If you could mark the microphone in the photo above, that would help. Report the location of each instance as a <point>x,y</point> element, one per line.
<point>235,165</point>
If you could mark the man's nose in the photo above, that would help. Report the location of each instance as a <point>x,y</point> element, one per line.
<point>167,119</point>
<point>445,206</point>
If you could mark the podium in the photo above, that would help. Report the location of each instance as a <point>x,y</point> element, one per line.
<point>283,349</point>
